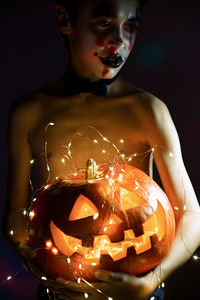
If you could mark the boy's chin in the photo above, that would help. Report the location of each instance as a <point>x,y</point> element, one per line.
<point>109,74</point>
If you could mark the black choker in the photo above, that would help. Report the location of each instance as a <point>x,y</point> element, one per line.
<point>75,85</point>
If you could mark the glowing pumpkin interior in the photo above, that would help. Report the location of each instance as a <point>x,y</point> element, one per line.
<point>84,208</point>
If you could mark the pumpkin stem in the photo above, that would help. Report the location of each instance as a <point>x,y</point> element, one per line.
<point>90,172</point>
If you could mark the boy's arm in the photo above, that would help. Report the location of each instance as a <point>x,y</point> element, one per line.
<point>18,187</point>
<point>163,137</point>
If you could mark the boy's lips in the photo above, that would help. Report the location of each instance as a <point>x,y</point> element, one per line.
<point>112,61</point>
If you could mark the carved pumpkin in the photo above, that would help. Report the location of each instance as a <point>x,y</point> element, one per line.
<point>123,222</point>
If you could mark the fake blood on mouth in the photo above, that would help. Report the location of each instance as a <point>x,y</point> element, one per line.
<point>105,71</point>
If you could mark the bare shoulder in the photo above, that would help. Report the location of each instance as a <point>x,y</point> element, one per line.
<point>27,109</point>
<point>146,105</point>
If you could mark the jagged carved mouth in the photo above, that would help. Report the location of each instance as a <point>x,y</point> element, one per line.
<point>112,61</point>
<point>101,244</point>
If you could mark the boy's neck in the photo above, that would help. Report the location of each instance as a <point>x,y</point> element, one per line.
<point>81,73</point>
<point>73,84</point>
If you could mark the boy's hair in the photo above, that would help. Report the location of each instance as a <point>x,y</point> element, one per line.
<point>72,5</point>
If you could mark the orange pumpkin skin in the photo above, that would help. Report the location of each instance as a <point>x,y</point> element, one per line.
<point>130,225</point>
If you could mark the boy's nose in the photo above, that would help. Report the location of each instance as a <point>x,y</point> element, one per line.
<point>115,44</point>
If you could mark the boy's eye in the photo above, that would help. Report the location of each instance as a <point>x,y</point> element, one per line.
<point>131,27</point>
<point>103,24</point>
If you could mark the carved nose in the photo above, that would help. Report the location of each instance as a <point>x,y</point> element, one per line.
<point>137,216</point>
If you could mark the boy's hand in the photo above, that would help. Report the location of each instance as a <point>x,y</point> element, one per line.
<point>121,286</point>
<point>117,286</point>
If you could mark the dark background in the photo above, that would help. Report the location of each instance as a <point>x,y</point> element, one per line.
<point>165,62</point>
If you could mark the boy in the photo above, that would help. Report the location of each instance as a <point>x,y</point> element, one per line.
<point>100,35</point>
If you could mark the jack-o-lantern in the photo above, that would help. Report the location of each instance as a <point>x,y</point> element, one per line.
<point>123,222</point>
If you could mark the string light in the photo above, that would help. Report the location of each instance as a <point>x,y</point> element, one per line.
<point>129,158</point>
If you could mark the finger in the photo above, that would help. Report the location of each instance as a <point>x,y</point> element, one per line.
<point>113,277</point>
<point>74,286</point>
<point>67,294</point>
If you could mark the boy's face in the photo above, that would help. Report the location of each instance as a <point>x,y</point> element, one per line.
<point>102,37</point>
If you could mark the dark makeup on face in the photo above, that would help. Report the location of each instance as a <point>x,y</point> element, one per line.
<point>105,14</point>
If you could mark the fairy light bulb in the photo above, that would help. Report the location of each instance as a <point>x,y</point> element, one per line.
<point>54,251</point>
<point>31,215</point>
<point>48,244</point>
<point>95,216</point>
<point>79,280</point>
<point>86,295</point>
<point>163,284</point>
<point>195,257</point>
<point>9,278</point>
<point>43,278</point>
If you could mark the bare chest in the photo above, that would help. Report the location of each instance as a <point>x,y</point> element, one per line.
<point>71,132</point>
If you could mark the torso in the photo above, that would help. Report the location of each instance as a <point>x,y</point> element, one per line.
<point>82,122</point>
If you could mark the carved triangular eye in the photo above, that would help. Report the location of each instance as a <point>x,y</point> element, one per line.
<point>82,208</point>
<point>129,200</point>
